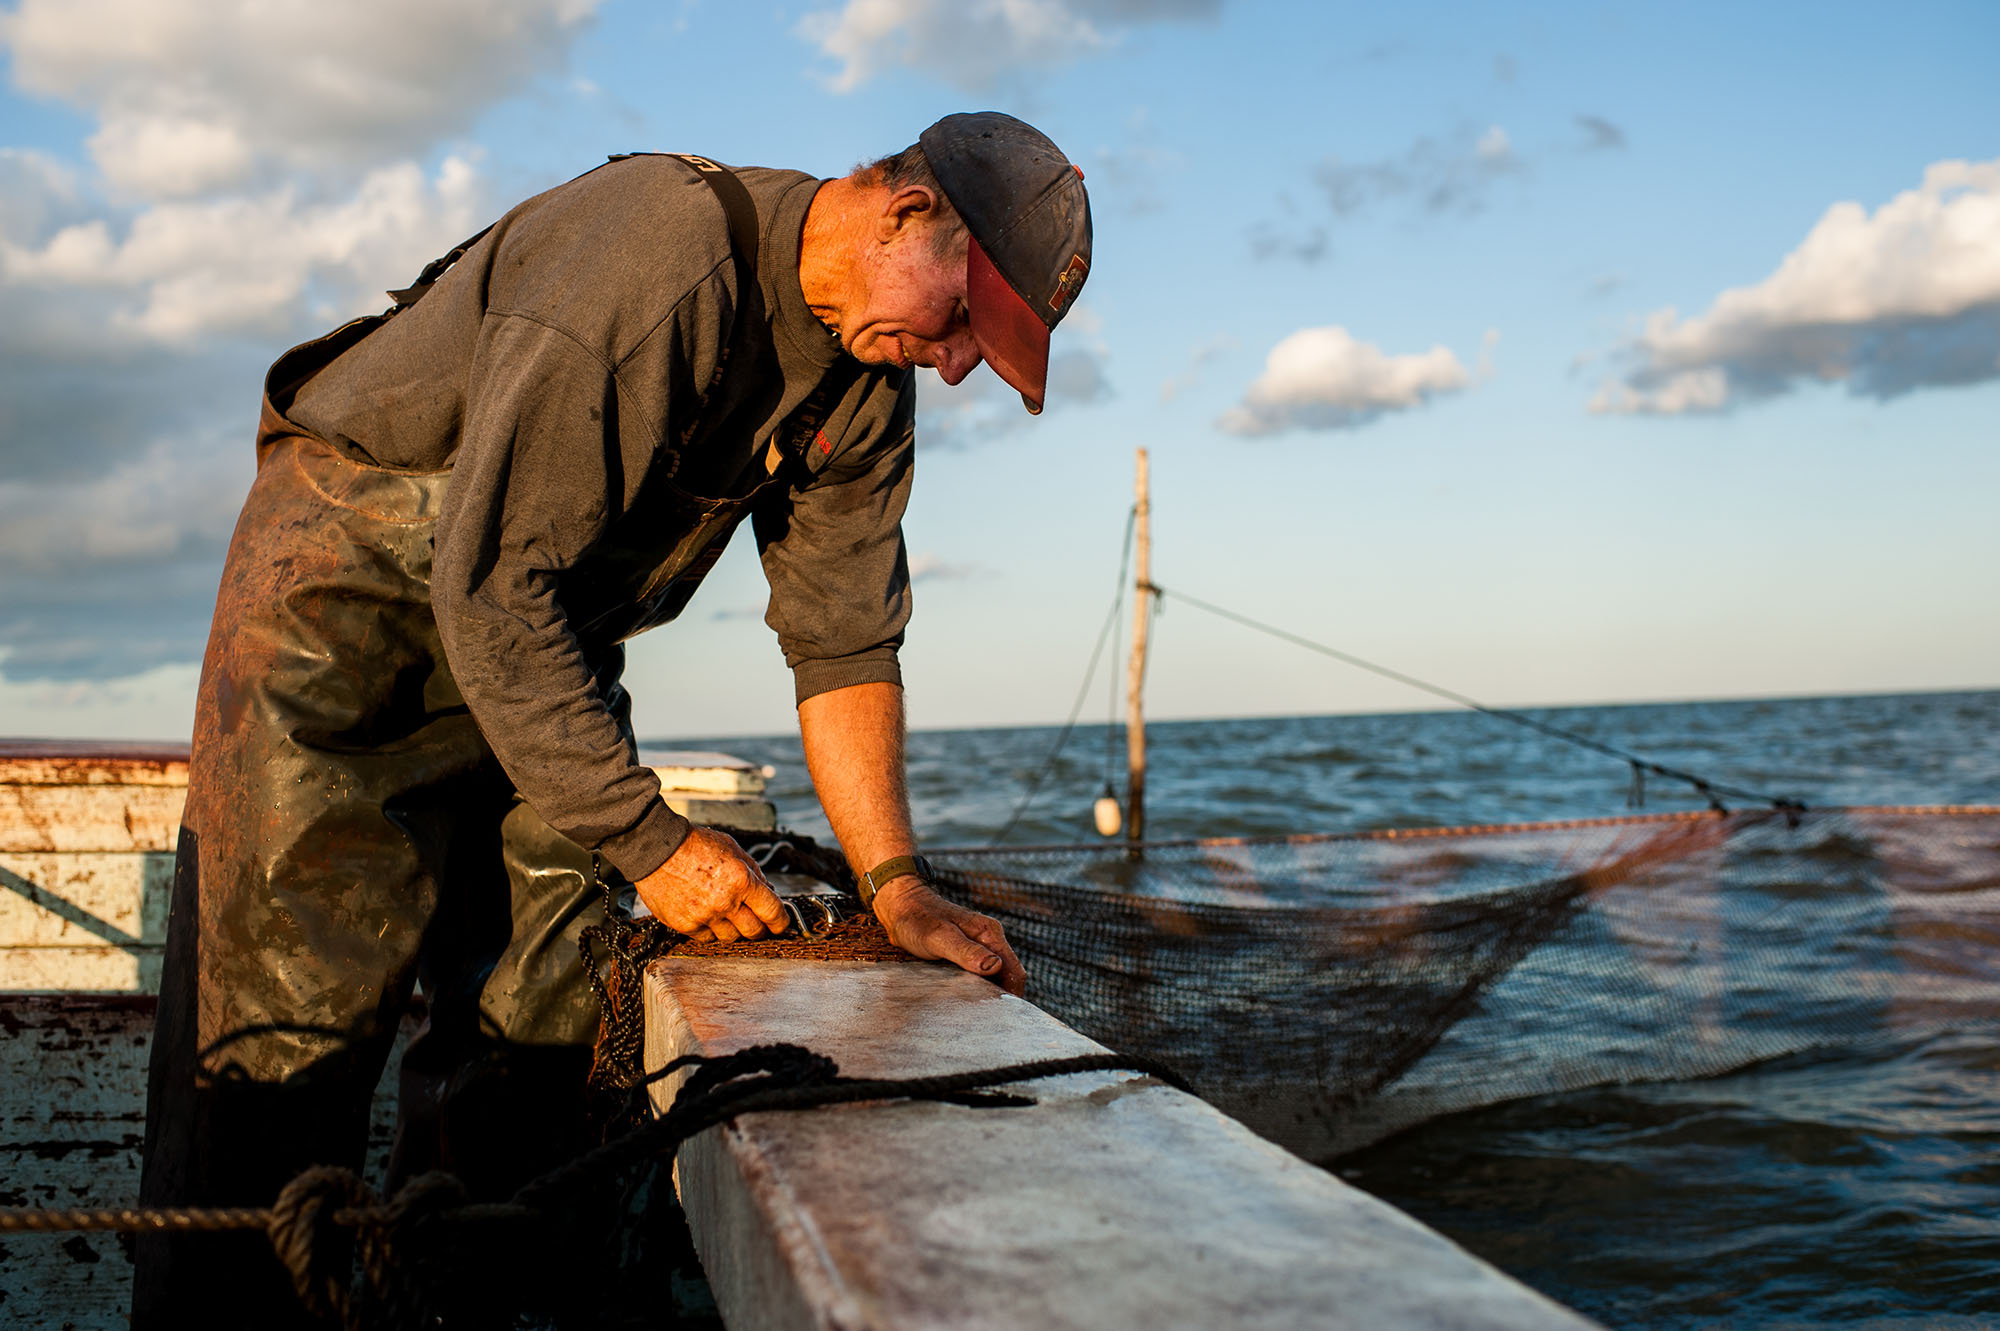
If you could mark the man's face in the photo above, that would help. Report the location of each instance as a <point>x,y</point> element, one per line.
<point>913,311</point>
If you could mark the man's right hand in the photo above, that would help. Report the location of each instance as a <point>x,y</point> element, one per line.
<point>710,889</point>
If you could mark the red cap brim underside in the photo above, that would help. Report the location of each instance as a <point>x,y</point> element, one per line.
<point>1010,336</point>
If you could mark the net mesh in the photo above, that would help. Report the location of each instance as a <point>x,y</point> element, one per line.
<point>1332,990</point>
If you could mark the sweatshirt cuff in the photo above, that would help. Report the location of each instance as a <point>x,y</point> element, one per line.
<point>647,844</point>
<point>877,665</point>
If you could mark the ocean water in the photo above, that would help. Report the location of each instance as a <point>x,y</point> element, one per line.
<point>1858,1188</point>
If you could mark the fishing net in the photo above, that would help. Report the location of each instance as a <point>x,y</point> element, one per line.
<point>1332,990</point>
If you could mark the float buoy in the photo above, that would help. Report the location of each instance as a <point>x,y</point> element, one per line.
<point>1109,817</point>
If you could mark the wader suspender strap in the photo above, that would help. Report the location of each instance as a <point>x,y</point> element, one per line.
<point>433,270</point>
<point>802,427</point>
<point>741,217</point>
<point>799,430</point>
<point>729,191</point>
<point>736,208</point>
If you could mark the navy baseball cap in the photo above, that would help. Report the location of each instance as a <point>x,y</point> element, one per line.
<point>1024,204</point>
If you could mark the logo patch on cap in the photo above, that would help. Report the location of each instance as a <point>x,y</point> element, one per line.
<point>1069,283</point>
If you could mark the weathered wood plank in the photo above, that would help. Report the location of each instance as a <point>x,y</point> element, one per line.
<point>80,970</point>
<point>147,818</point>
<point>94,814</point>
<point>84,899</point>
<point>90,818</point>
<point>87,833</point>
<point>84,762</point>
<point>71,1119</point>
<point>71,762</point>
<point>72,1116</point>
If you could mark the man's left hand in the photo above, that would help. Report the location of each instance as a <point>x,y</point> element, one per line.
<point>924,924</point>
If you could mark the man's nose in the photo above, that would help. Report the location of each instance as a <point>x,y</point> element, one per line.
<point>957,358</point>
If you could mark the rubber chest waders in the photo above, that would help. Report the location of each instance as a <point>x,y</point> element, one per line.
<point>349,831</point>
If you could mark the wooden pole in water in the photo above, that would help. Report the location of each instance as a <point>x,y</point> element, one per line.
<point>1135,672</point>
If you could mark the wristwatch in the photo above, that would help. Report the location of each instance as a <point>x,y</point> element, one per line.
<point>887,871</point>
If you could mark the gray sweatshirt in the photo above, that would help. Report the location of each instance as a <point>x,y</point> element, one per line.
<point>556,368</point>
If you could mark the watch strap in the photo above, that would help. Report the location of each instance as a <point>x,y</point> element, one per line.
<point>889,870</point>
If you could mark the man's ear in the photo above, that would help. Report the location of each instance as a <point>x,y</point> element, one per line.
<point>908,205</point>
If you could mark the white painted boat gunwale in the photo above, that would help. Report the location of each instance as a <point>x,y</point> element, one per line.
<point>1115,1203</point>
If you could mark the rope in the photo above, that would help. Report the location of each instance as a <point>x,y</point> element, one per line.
<point>784,1077</point>
<point>134,1219</point>
<point>324,1223</point>
<point>1111,675</point>
<point>1712,791</point>
<point>617,950</point>
<point>1083,691</point>
<point>327,1221</point>
<point>304,1235</point>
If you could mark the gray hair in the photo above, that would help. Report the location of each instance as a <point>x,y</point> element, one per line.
<point>900,171</point>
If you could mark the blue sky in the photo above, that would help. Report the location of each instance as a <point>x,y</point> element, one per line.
<point>1558,353</point>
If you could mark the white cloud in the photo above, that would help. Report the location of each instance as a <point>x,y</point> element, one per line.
<point>163,157</point>
<point>1077,377</point>
<point>193,97</point>
<point>156,703</point>
<point>106,574</point>
<point>725,613</point>
<point>982,408</point>
<point>1308,244</point>
<point>257,179</point>
<point>1599,134</point>
<point>1200,359</point>
<point>141,510</point>
<point>1327,379</point>
<point>1450,174</point>
<point>269,146</point>
<point>1488,340</point>
<point>973,43</point>
<point>1887,302</point>
<point>1133,177</point>
<point>79,393</point>
<point>929,567</point>
<point>34,188</point>
<point>257,262</point>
